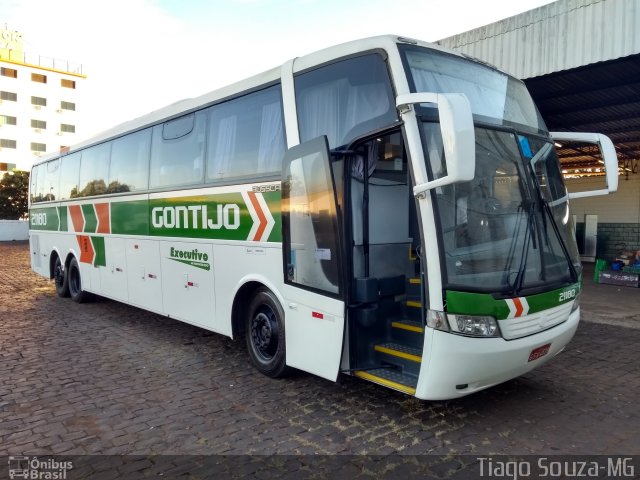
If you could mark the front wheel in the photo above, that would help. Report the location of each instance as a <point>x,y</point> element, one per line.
<point>265,334</point>
<point>61,279</point>
<point>75,283</point>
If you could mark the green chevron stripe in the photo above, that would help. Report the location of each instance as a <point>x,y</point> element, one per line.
<point>100,258</point>
<point>62,214</point>
<point>90,218</point>
<point>272,200</point>
<point>484,304</point>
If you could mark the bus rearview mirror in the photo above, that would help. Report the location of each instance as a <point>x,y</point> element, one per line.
<point>458,136</point>
<point>609,157</point>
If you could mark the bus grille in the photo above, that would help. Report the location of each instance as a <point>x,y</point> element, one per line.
<point>513,328</point>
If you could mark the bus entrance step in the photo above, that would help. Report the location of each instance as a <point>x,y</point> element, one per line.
<point>390,378</point>
<point>408,325</point>
<point>397,350</point>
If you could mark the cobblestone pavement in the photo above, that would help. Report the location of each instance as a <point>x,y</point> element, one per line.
<point>108,378</point>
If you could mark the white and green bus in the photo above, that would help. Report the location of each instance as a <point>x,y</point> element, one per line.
<point>384,208</point>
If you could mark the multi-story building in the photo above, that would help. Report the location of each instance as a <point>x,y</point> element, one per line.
<point>39,108</point>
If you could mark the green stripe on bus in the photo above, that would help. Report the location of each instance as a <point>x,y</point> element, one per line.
<point>219,216</point>
<point>62,215</point>
<point>130,218</point>
<point>484,304</point>
<point>45,218</point>
<point>273,202</point>
<point>90,218</point>
<point>100,258</point>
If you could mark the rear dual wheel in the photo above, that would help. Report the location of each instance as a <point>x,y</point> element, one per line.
<point>60,278</point>
<point>75,283</point>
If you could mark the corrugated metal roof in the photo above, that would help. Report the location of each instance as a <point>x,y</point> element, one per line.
<point>603,98</point>
<point>562,35</point>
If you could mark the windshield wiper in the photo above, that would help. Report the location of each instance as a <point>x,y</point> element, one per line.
<point>556,230</point>
<point>529,238</point>
<point>540,156</point>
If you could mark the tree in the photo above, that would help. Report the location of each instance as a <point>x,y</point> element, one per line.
<point>14,195</point>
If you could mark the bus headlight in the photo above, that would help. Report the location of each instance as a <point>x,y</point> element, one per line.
<point>469,325</point>
<point>437,320</point>
<point>474,326</point>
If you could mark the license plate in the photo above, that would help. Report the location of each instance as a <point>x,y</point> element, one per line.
<point>539,352</point>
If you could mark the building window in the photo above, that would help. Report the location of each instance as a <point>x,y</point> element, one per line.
<point>38,147</point>
<point>68,83</point>
<point>11,96</point>
<point>66,128</point>
<point>39,78</point>
<point>68,106</point>
<point>39,101</point>
<point>8,72</point>
<point>8,120</point>
<point>6,143</point>
<point>38,124</point>
<point>7,167</point>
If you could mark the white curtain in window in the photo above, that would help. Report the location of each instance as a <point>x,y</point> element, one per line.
<point>271,148</point>
<point>365,102</point>
<point>225,144</point>
<point>319,111</point>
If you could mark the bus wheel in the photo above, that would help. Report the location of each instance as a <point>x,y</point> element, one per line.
<point>265,334</point>
<point>75,283</point>
<point>61,279</point>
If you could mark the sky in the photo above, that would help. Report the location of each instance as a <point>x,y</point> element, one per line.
<point>140,55</point>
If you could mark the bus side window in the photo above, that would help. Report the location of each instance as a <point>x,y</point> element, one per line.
<point>53,176</point>
<point>345,100</point>
<point>94,169</point>
<point>35,173</point>
<point>129,170</point>
<point>246,136</point>
<point>177,150</point>
<point>69,175</point>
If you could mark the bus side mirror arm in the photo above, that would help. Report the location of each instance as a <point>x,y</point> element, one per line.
<point>609,157</point>
<point>458,136</point>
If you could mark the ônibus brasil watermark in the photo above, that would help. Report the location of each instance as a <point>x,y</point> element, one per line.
<point>37,469</point>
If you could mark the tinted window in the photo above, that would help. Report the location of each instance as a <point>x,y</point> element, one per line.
<point>33,184</point>
<point>52,180</point>
<point>177,151</point>
<point>94,169</point>
<point>344,100</point>
<point>69,175</point>
<point>246,136</point>
<point>129,169</point>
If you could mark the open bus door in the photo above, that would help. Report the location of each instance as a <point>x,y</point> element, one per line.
<point>312,261</point>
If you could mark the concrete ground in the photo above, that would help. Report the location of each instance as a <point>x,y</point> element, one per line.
<point>106,378</point>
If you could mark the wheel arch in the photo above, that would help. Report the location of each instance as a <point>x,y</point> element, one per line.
<point>66,260</point>
<point>52,262</point>
<point>244,291</point>
<point>55,254</point>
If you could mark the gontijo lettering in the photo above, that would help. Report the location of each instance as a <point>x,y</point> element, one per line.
<point>196,216</point>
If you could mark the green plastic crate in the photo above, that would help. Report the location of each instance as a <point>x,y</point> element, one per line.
<point>600,265</point>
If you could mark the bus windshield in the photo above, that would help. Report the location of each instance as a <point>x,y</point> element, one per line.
<point>508,230</point>
<point>493,95</point>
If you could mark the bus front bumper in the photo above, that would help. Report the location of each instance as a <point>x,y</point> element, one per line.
<point>456,366</point>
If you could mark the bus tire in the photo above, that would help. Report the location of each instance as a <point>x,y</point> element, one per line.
<point>75,283</point>
<point>60,278</point>
<point>265,334</point>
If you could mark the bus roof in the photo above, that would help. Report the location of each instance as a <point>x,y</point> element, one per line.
<point>384,42</point>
